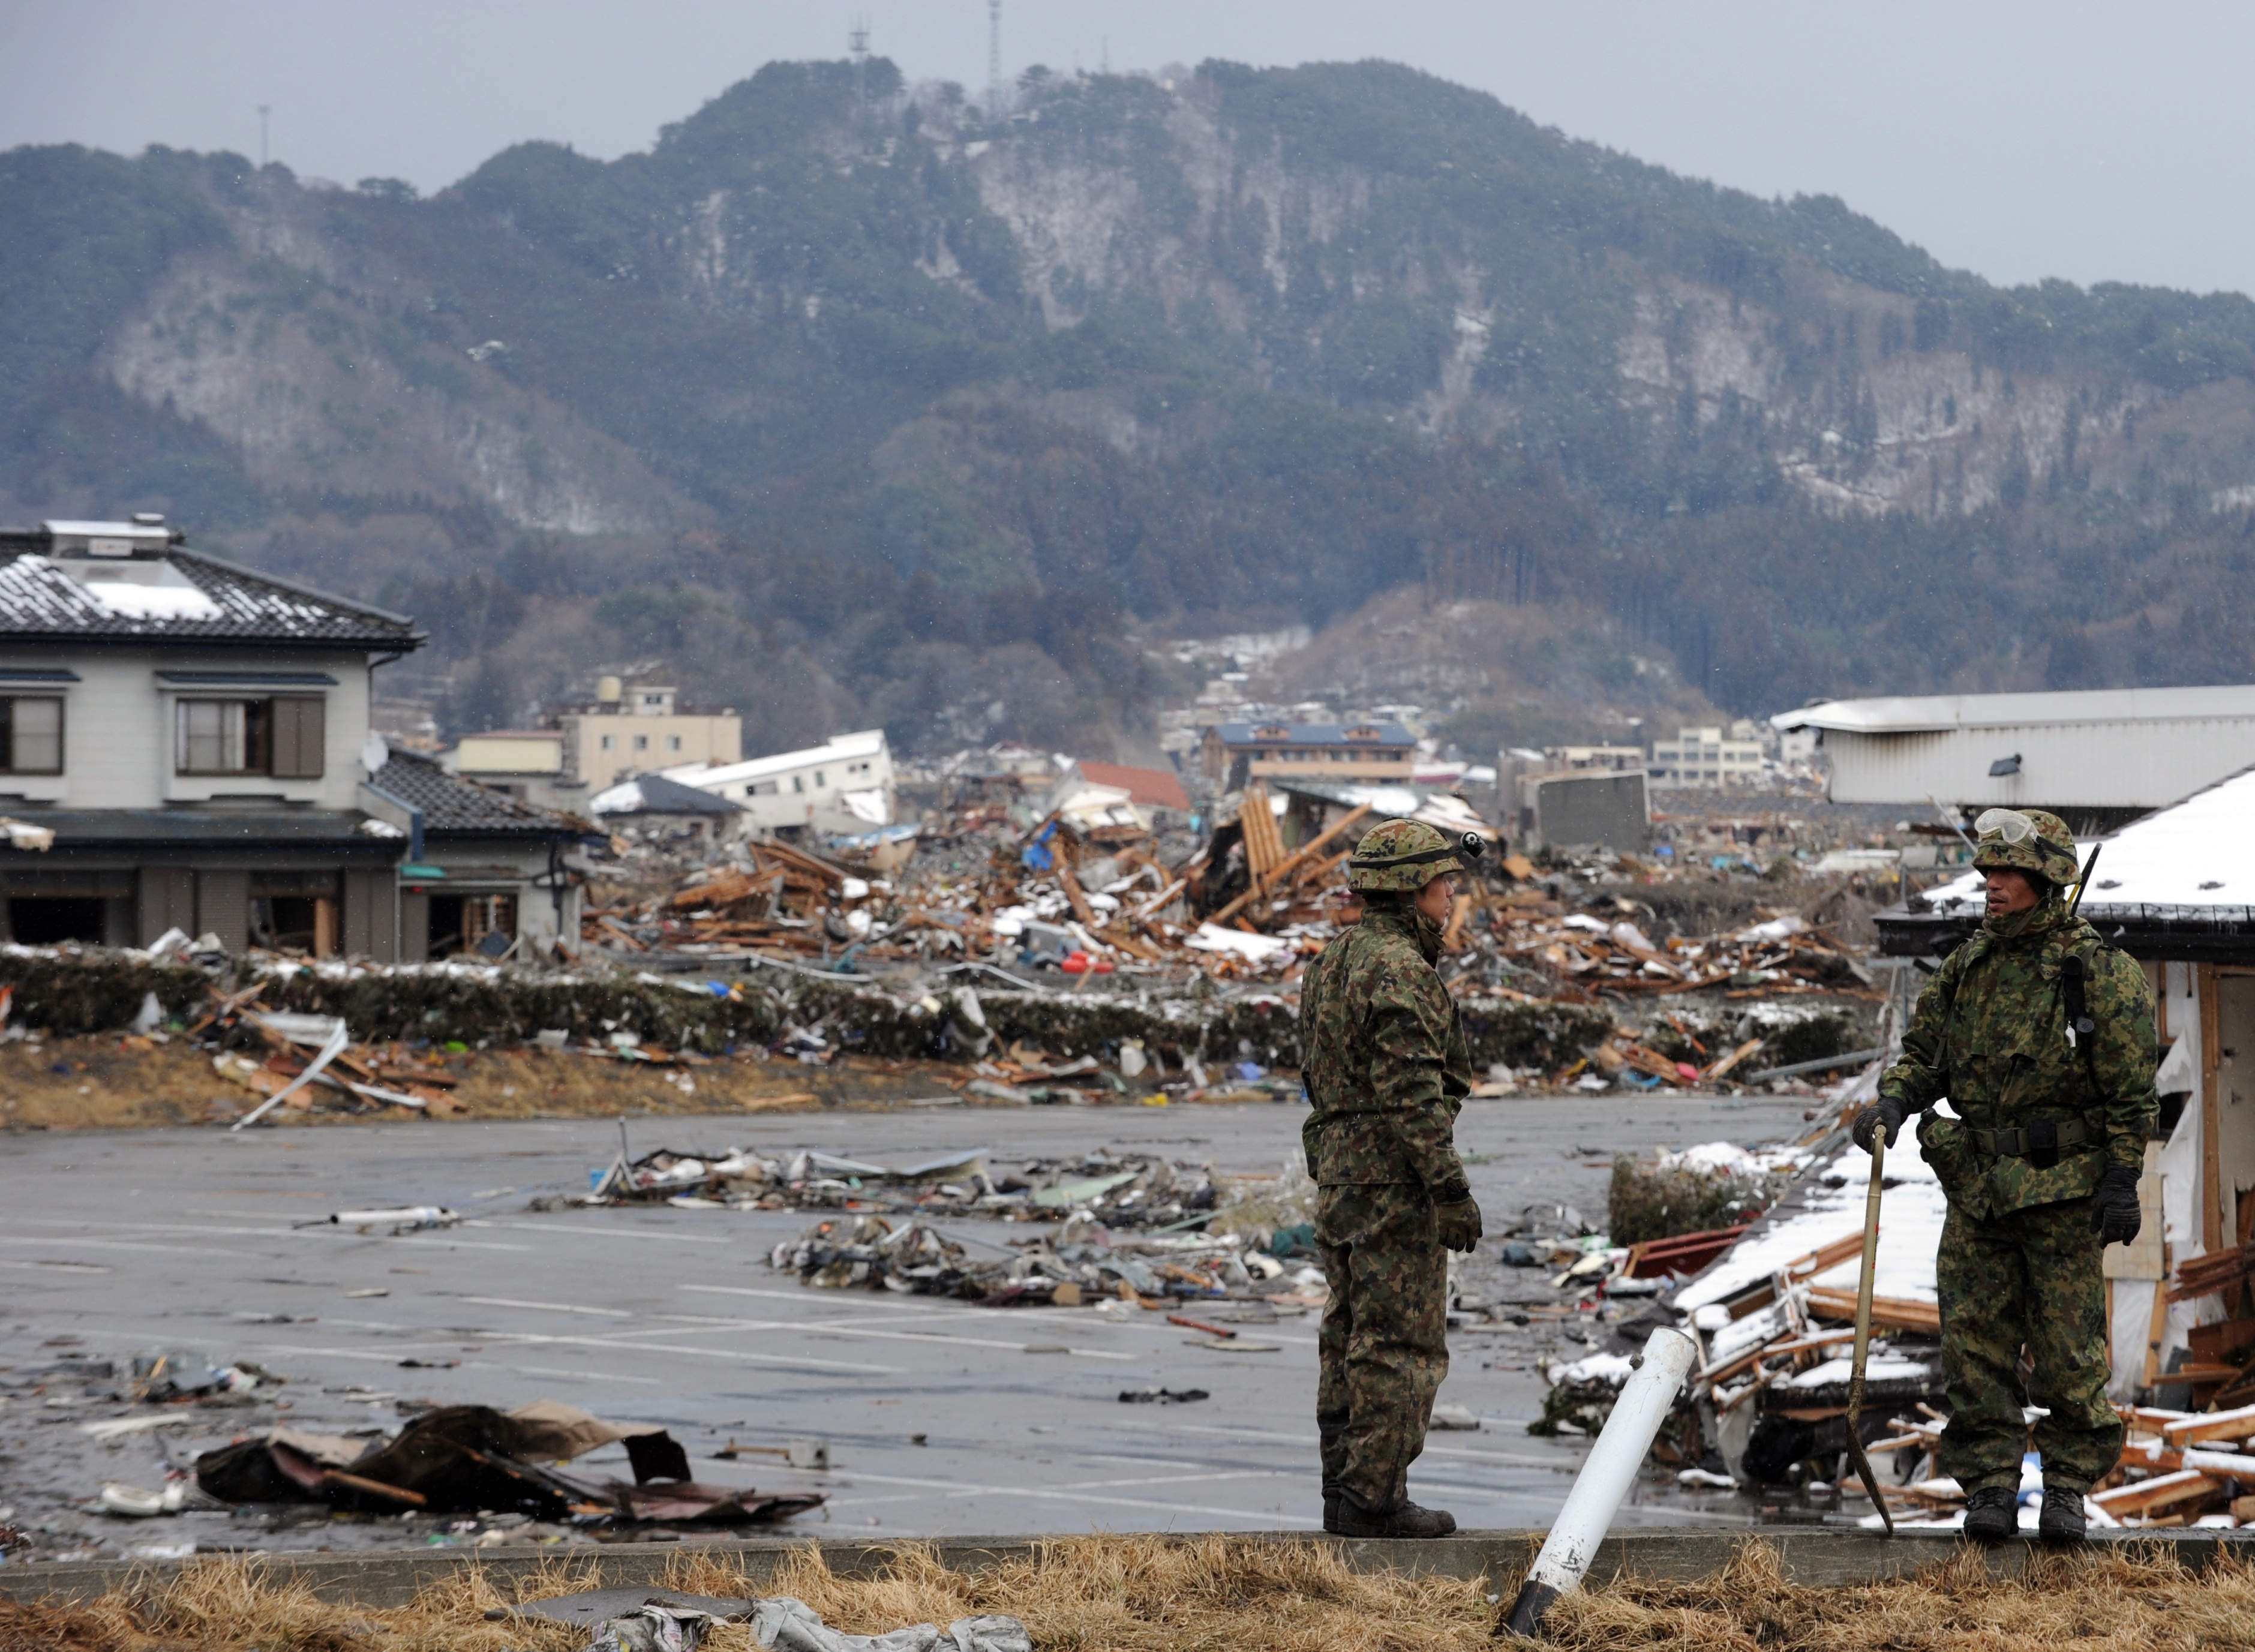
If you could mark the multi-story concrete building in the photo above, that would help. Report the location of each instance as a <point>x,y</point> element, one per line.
<point>1231,753</point>
<point>632,726</point>
<point>1707,757</point>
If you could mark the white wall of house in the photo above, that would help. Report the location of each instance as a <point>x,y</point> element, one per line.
<point>119,722</point>
<point>804,788</point>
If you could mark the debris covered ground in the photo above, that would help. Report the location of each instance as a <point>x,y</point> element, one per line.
<point>1162,1594</point>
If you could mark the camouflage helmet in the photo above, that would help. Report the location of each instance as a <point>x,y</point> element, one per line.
<point>1406,855</point>
<point>2030,840</point>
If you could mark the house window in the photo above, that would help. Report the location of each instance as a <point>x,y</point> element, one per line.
<point>30,736</point>
<point>763,789</point>
<point>283,737</point>
<point>642,742</point>
<point>610,742</point>
<point>798,782</point>
<point>818,782</point>
<point>673,743</point>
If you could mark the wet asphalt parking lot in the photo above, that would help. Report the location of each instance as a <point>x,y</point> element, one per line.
<point>942,1417</point>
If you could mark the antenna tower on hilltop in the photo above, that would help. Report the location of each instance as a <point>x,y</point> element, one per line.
<point>857,43</point>
<point>994,57</point>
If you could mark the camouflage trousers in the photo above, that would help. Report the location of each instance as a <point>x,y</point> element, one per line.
<point>1384,1342</point>
<point>2029,1279</point>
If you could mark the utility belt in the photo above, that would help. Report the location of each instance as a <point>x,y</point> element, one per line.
<point>2040,1143</point>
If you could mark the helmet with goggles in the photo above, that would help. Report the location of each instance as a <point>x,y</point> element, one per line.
<point>1405,855</point>
<point>2031,840</point>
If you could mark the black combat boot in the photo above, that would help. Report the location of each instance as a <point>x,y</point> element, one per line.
<point>1332,1512</point>
<point>2061,1521</point>
<point>1993,1513</point>
<point>1408,1521</point>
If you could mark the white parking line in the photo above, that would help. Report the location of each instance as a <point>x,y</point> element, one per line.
<point>624,1344</point>
<point>527,1339</point>
<point>553,1228</point>
<point>827,1329</point>
<point>66,1241</point>
<point>550,1307</point>
<point>552,1371</point>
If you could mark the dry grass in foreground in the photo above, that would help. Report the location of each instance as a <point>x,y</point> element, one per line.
<point>1224,1595</point>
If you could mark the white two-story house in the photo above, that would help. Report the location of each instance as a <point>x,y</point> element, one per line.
<point>193,734</point>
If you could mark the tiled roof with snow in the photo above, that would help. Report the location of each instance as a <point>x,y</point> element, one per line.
<point>208,602</point>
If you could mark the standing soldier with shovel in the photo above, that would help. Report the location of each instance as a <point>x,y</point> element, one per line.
<point>2042,1036</point>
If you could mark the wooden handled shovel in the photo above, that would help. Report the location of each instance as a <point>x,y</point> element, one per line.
<point>1864,1336</point>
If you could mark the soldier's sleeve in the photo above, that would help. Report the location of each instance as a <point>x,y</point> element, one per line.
<point>1411,1023</point>
<point>1920,1079</point>
<point>2125,1049</point>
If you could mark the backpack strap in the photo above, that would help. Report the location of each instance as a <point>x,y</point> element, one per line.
<point>2074,979</point>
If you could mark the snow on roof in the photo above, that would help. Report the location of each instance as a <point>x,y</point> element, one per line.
<point>655,794</point>
<point>1924,714</point>
<point>2188,860</point>
<point>202,600</point>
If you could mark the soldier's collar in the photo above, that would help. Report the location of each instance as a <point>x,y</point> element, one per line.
<point>2037,921</point>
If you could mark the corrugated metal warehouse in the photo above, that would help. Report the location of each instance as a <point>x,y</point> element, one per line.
<point>2117,750</point>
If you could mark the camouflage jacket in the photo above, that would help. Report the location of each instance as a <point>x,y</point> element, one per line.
<point>1384,1057</point>
<point>1991,1034</point>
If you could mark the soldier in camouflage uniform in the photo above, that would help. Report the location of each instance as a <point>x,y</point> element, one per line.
<point>2042,1036</point>
<point>1385,1068</point>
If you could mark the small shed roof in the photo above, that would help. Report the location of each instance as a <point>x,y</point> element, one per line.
<point>655,794</point>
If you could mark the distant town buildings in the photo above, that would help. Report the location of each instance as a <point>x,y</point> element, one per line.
<point>631,726</point>
<point>845,785</point>
<point>1234,753</point>
<point>1708,758</point>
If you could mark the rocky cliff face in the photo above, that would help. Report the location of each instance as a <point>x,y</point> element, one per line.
<point>297,355</point>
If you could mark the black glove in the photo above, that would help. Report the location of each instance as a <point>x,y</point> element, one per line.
<point>1459,1223</point>
<point>1886,1113</point>
<point>2114,1208</point>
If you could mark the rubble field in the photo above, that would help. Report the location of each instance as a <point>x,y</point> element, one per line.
<point>1251,1594</point>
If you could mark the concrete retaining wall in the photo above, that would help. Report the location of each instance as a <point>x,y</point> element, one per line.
<point>1818,1559</point>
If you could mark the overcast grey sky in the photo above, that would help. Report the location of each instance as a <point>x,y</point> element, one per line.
<point>2018,140</point>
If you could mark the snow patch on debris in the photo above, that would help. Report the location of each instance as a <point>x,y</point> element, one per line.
<point>1910,1230</point>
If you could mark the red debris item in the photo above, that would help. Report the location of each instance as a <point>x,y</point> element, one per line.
<point>1691,1073</point>
<point>1075,964</point>
<point>1101,966</point>
<point>1682,1253</point>
<point>1188,1323</point>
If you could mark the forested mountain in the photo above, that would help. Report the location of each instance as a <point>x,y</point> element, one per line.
<point>881,406</point>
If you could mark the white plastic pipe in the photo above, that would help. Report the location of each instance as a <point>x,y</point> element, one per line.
<point>1606,1477</point>
<point>339,1037</point>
